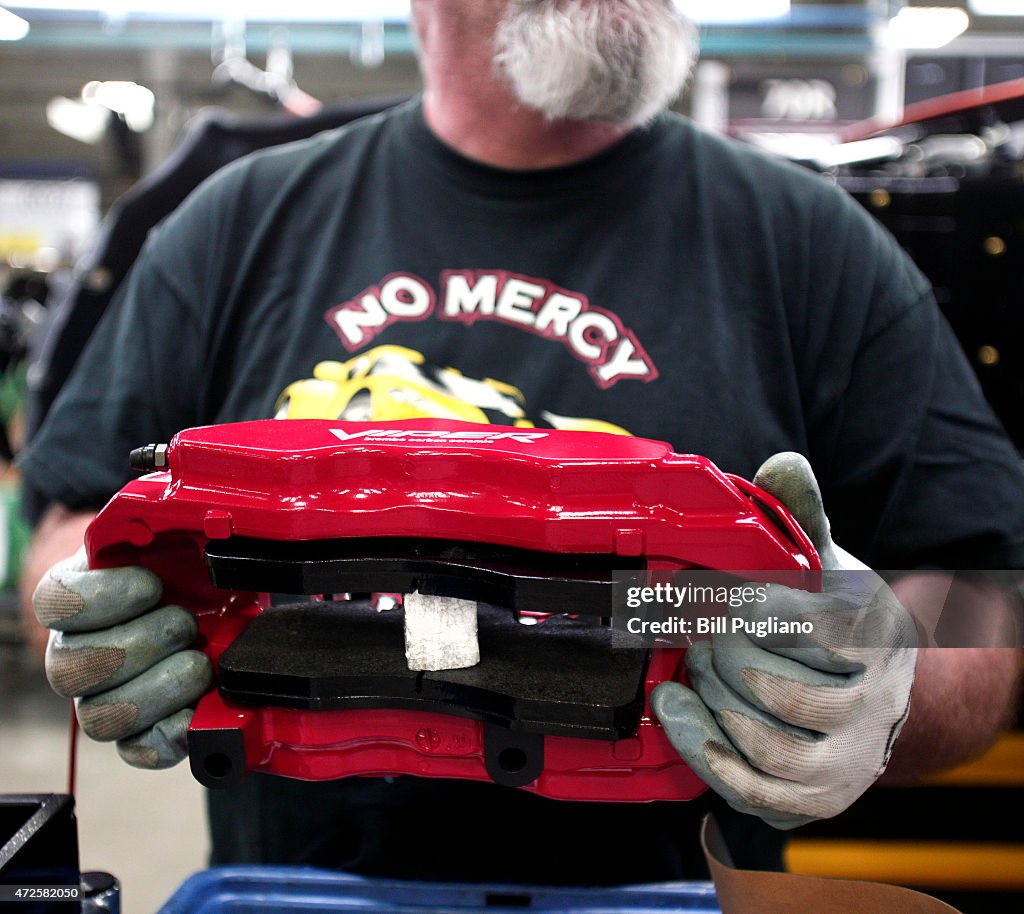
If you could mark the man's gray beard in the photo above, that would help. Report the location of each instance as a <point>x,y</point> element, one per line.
<point>619,61</point>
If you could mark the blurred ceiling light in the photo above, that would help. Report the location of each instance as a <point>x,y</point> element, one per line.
<point>12,28</point>
<point>134,102</point>
<point>715,11</point>
<point>874,149</point>
<point>251,10</point>
<point>996,7</point>
<point>82,122</point>
<point>87,119</point>
<point>926,26</point>
<point>708,11</point>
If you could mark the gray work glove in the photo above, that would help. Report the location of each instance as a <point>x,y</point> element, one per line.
<point>797,733</point>
<point>126,664</point>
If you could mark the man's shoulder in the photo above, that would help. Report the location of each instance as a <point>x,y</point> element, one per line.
<point>328,147</point>
<point>270,182</point>
<point>727,165</point>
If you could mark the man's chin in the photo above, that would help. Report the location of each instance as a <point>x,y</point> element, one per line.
<point>606,63</point>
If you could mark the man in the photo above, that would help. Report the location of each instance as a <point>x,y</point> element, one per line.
<point>538,220</point>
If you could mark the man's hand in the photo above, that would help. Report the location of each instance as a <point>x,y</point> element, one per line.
<point>126,664</point>
<point>793,731</point>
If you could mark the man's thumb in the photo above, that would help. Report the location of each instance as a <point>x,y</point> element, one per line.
<point>789,477</point>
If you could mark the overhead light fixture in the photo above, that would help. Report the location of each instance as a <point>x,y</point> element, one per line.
<point>12,28</point>
<point>133,102</point>
<point>86,119</point>
<point>82,122</point>
<point>918,27</point>
<point>874,149</point>
<point>251,10</point>
<point>724,11</point>
<point>704,11</point>
<point>996,7</point>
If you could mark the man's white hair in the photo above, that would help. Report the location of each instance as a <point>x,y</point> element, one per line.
<point>620,61</point>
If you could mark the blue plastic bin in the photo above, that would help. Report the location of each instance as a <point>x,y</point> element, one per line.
<point>293,890</point>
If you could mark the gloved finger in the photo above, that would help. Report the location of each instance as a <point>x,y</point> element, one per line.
<point>789,477</point>
<point>844,629</point>
<point>783,688</point>
<point>161,746</point>
<point>161,691</point>
<point>697,737</point>
<point>717,695</point>
<point>824,630</point>
<point>767,743</point>
<point>806,627</point>
<point>72,598</point>
<point>91,662</point>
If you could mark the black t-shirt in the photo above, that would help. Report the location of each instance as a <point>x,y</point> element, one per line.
<point>682,286</point>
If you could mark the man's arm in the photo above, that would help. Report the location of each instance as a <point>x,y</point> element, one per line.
<point>60,533</point>
<point>963,696</point>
